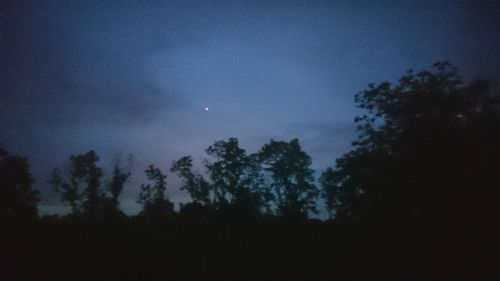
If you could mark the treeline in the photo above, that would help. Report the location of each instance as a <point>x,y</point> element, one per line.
<point>427,146</point>
<point>416,198</point>
<point>277,180</point>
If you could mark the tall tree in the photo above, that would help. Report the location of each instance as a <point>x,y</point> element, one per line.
<point>18,199</point>
<point>329,191</point>
<point>197,187</point>
<point>293,188</point>
<point>236,181</point>
<point>428,149</point>
<point>85,168</point>
<point>117,183</point>
<point>230,171</point>
<point>81,188</point>
<point>152,197</point>
<point>69,190</point>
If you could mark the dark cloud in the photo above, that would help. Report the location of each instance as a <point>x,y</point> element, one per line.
<point>64,65</point>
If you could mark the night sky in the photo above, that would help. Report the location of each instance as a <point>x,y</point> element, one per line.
<point>134,77</point>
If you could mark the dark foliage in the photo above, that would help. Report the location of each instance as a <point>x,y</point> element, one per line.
<point>292,188</point>
<point>18,199</point>
<point>428,150</point>
<point>197,187</point>
<point>152,197</point>
<point>82,188</point>
<point>233,178</point>
<point>117,183</point>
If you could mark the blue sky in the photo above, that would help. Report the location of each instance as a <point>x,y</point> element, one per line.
<point>134,77</point>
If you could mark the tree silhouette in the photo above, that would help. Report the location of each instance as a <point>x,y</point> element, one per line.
<point>231,172</point>
<point>197,187</point>
<point>18,199</point>
<point>329,191</point>
<point>85,168</point>
<point>82,188</point>
<point>236,181</point>
<point>227,171</point>
<point>69,193</point>
<point>293,189</point>
<point>117,183</point>
<point>69,190</point>
<point>428,149</point>
<point>152,197</point>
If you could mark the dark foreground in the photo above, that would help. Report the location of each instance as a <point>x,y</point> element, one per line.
<point>234,249</point>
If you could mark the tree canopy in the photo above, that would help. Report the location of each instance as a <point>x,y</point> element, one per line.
<point>197,187</point>
<point>152,197</point>
<point>82,189</point>
<point>292,187</point>
<point>428,149</point>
